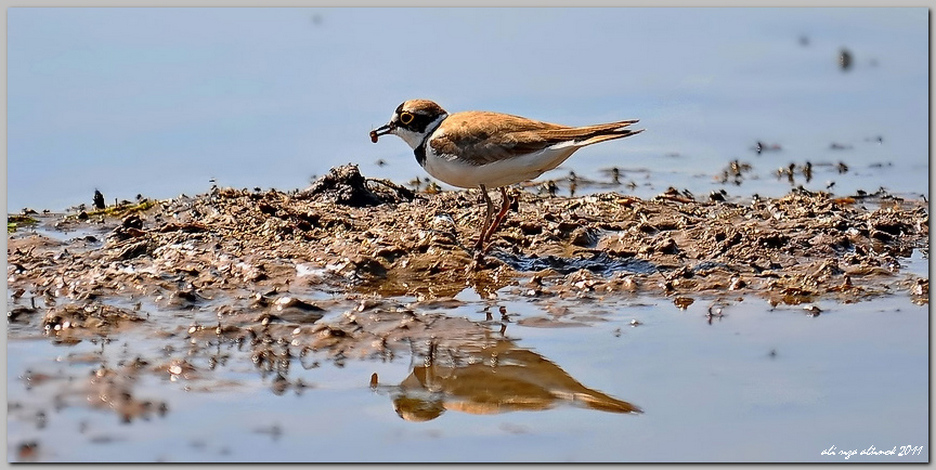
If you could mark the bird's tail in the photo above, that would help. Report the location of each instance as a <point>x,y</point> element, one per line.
<point>587,135</point>
<point>620,134</point>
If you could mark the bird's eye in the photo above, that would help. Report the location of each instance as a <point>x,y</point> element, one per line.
<point>406,118</point>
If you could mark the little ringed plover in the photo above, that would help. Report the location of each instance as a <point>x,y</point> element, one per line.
<point>481,149</point>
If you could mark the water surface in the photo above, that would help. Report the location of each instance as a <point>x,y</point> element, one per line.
<point>161,101</point>
<point>760,384</point>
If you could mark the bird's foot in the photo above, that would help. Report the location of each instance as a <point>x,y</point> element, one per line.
<point>479,262</point>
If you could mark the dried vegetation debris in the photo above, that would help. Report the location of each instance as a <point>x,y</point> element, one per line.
<point>350,234</point>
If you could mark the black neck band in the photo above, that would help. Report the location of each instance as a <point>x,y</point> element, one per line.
<point>420,151</point>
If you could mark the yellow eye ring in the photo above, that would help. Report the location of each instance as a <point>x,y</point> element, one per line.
<point>406,118</point>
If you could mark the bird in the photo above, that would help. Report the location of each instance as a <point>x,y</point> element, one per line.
<point>484,149</point>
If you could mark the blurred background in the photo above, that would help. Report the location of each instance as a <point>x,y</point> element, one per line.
<point>165,101</point>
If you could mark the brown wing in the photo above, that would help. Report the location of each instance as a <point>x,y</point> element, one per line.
<point>483,137</point>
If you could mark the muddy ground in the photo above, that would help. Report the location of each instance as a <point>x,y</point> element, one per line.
<point>373,239</point>
<point>354,267</point>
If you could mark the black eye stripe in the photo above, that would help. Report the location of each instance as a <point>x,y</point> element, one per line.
<point>418,122</point>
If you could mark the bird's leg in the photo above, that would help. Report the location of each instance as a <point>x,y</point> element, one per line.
<point>487,218</point>
<point>505,206</point>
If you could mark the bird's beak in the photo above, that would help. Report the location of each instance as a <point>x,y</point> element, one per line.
<point>382,130</point>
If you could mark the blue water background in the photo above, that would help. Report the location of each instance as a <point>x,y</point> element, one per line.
<point>161,101</point>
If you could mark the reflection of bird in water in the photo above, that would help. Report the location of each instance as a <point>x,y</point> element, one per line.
<point>496,377</point>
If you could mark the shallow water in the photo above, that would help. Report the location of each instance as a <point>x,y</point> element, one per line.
<point>270,97</point>
<point>752,382</point>
<point>757,384</point>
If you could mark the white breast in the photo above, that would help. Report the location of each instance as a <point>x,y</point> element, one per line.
<point>500,173</point>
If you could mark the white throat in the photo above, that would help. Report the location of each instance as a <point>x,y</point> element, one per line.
<point>414,139</point>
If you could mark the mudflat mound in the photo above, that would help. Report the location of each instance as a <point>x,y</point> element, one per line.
<point>257,254</point>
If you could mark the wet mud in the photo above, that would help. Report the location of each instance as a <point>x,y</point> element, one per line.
<point>347,232</point>
<point>359,268</point>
